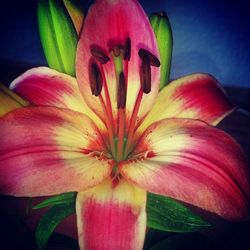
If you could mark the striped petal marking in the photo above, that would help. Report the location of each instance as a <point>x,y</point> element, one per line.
<point>196,96</point>
<point>43,86</point>
<point>47,151</point>
<point>111,216</point>
<point>193,162</point>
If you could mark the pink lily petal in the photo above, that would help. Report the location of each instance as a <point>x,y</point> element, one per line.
<point>111,216</point>
<point>192,162</point>
<point>46,151</point>
<point>197,96</point>
<point>115,23</point>
<point>43,86</point>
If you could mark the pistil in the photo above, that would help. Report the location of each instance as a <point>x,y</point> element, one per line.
<point>117,55</point>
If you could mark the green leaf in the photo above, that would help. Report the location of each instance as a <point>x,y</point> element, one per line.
<point>56,200</point>
<point>58,35</point>
<point>164,213</point>
<point>50,220</point>
<point>163,33</point>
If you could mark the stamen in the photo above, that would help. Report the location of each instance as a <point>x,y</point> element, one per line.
<point>145,55</point>
<point>107,109</point>
<point>121,104</point>
<point>122,92</point>
<point>99,55</point>
<point>95,77</point>
<point>145,76</point>
<point>107,98</point>
<point>127,52</point>
<point>108,126</point>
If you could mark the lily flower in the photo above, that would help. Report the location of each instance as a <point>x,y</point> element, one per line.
<point>111,136</point>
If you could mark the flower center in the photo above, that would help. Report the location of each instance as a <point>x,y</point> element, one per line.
<point>121,128</point>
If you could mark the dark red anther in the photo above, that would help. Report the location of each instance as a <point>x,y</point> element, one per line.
<point>95,78</point>
<point>127,49</point>
<point>122,92</point>
<point>145,76</point>
<point>99,54</point>
<point>146,55</point>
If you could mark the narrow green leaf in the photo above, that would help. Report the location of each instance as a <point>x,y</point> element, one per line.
<point>58,35</point>
<point>167,214</point>
<point>163,32</point>
<point>50,220</point>
<point>56,200</point>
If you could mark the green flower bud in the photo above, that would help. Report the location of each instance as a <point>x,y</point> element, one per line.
<point>163,33</point>
<point>75,11</point>
<point>58,35</point>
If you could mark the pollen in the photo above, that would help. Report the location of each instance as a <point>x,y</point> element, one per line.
<point>148,60</point>
<point>122,92</point>
<point>145,55</point>
<point>127,50</point>
<point>145,76</point>
<point>99,54</point>
<point>96,80</point>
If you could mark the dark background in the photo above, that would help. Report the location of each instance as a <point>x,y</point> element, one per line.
<point>209,36</point>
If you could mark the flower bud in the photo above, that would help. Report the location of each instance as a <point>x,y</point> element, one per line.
<point>163,34</point>
<point>75,13</point>
<point>58,35</point>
